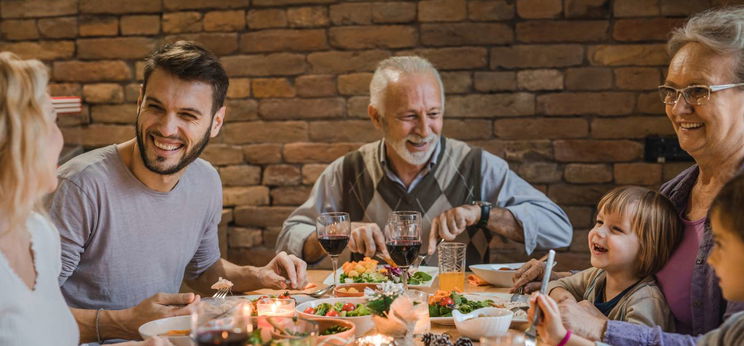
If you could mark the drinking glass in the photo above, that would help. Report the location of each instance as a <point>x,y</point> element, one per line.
<point>511,338</point>
<point>403,240</point>
<point>420,302</point>
<point>451,266</point>
<point>333,231</point>
<point>221,322</point>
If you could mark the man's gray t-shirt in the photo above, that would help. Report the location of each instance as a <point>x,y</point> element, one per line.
<point>122,241</point>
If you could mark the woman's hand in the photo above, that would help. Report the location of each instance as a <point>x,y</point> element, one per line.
<point>550,328</point>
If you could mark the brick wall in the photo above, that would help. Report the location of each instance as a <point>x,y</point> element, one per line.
<point>562,89</point>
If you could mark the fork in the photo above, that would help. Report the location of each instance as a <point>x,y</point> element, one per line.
<point>221,293</point>
<point>531,332</point>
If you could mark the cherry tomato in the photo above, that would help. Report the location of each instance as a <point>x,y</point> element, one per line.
<point>332,313</point>
<point>446,301</point>
<point>309,310</point>
<point>348,307</point>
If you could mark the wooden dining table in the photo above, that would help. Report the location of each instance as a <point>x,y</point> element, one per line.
<point>317,277</point>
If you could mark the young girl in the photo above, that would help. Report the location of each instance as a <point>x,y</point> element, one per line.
<point>636,231</point>
<point>726,258</point>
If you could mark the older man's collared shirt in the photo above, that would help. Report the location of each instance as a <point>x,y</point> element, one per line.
<point>427,168</point>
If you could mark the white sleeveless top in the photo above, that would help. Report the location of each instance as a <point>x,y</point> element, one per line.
<point>39,316</point>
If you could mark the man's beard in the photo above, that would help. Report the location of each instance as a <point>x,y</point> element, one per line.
<point>414,158</point>
<point>187,159</point>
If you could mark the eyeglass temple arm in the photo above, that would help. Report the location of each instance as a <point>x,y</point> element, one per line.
<point>724,86</point>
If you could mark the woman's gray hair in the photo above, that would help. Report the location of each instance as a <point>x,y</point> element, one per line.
<point>391,69</point>
<point>721,30</point>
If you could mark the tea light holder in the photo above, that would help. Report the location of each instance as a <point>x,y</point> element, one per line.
<point>275,307</point>
<point>375,340</point>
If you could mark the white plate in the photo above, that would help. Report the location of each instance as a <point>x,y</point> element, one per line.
<point>163,325</point>
<point>495,296</point>
<point>433,271</point>
<point>494,276</point>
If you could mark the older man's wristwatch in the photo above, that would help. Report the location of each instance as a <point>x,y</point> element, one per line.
<point>485,213</point>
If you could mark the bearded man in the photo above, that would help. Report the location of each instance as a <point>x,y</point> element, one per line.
<point>464,193</point>
<point>139,217</point>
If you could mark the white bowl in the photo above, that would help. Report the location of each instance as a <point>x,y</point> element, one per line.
<point>495,322</point>
<point>163,325</point>
<point>363,323</point>
<point>494,273</point>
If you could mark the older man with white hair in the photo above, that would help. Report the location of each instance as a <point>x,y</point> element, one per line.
<point>464,193</point>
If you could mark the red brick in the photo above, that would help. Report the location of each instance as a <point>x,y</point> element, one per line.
<point>580,243</point>
<point>224,21</point>
<point>354,83</point>
<point>629,54</point>
<point>218,43</point>
<point>467,129</point>
<point>343,131</point>
<point>454,82</point>
<point>268,132</point>
<point>588,78</point>
<point>304,17</point>
<point>140,25</point>
<point>583,173</point>
<point>272,87</point>
<point>586,8</point>
<point>42,50</point>
<point>351,13</point>
<point>120,7</point>
<point>281,175</point>
<point>316,152</point>
<point>115,48</point>
<point>222,154</point>
<point>240,237</point>
<point>264,65</point>
<point>672,169</point>
<point>581,195</point>
<point>539,172</point>
<point>65,89</point>
<point>62,27</point>
<point>441,10</point>
<point>490,10</point>
<point>203,4</point>
<point>539,8</point>
<point>579,150</point>
<point>241,110</point>
<point>262,153</point>
<point>263,19</point>
<point>561,55</point>
<point>563,31</point>
<point>289,195</point>
<point>635,8</point>
<point>76,120</point>
<point>380,36</point>
<point>490,105</point>
<point>519,150</point>
<point>37,8</point>
<point>340,62</point>
<point>631,127</point>
<point>274,3</point>
<point>311,172</point>
<point>454,58</point>
<point>393,12</point>
<point>283,40</point>
<point>241,175</point>
<point>541,128</point>
<point>603,103</point>
<point>103,93</point>
<point>260,256</point>
<point>122,114</point>
<point>683,8</point>
<point>356,107</point>
<point>315,85</point>
<point>637,78</point>
<point>97,135</point>
<point>495,81</point>
<point>276,109</point>
<point>98,26</point>
<point>540,80</point>
<point>245,195</point>
<point>580,217</point>
<point>458,34</point>
<point>91,71</point>
<point>239,88</point>
<point>179,22</point>
<point>644,29</point>
<point>19,29</point>
<point>139,70</point>
<point>637,173</point>
<point>261,216</point>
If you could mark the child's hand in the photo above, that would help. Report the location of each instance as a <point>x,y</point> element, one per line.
<point>550,328</point>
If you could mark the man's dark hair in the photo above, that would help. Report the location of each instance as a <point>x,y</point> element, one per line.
<point>729,204</point>
<point>190,61</point>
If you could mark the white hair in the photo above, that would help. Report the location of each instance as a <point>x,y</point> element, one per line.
<point>721,30</point>
<point>391,69</point>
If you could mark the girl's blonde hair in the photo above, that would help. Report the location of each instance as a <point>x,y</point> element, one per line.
<point>23,127</point>
<point>654,221</point>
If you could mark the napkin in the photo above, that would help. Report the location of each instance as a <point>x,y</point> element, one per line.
<point>476,280</point>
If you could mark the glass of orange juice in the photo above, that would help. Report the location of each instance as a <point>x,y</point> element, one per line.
<point>451,266</point>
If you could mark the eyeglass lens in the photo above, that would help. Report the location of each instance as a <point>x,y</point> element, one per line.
<point>694,95</point>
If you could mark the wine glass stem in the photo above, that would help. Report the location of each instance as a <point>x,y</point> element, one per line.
<point>404,277</point>
<point>334,262</point>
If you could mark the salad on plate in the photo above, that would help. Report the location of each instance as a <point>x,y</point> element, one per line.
<point>369,271</point>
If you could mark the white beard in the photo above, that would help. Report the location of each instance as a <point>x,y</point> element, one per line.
<point>417,158</point>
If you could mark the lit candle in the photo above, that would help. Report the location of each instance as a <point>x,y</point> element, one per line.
<point>375,340</point>
<point>271,307</point>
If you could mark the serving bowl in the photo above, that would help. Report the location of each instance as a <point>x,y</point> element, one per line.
<point>499,275</point>
<point>358,286</point>
<point>363,323</point>
<point>344,338</point>
<point>162,326</point>
<point>483,322</point>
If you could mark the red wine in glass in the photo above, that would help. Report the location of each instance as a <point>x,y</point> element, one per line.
<point>334,244</point>
<point>404,250</point>
<point>222,338</point>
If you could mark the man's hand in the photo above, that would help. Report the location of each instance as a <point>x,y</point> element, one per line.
<point>367,239</point>
<point>160,305</point>
<point>583,318</point>
<point>451,223</point>
<point>283,270</point>
<point>530,276</point>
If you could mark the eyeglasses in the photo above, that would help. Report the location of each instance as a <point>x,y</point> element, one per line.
<point>695,95</point>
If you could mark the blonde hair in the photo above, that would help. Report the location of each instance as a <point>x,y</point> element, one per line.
<point>23,127</point>
<point>654,220</point>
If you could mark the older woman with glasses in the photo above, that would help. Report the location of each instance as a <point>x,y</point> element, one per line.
<point>704,97</point>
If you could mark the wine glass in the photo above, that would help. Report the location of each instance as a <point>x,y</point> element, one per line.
<point>333,231</point>
<point>403,240</point>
